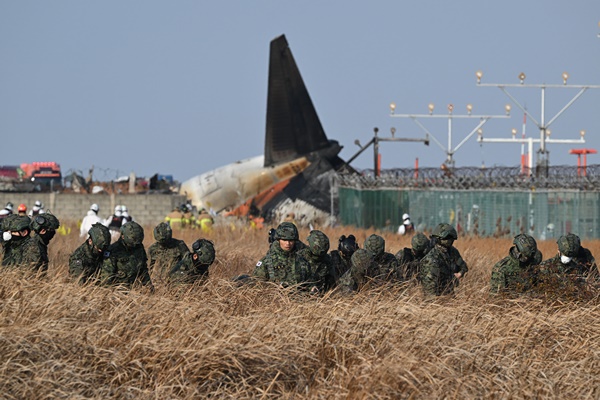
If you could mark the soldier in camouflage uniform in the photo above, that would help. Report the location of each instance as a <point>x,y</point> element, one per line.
<point>15,237</point>
<point>387,263</point>
<point>165,253</point>
<point>194,266</point>
<point>584,257</point>
<point>515,273</point>
<point>298,244</point>
<point>35,248</point>
<point>443,266</point>
<point>86,261</point>
<point>361,271</point>
<point>572,260</point>
<point>409,259</point>
<point>125,261</point>
<point>341,257</point>
<point>321,266</point>
<point>282,264</point>
<point>6,235</point>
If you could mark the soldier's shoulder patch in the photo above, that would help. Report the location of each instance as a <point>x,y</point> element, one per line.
<point>258,264</point>
<point>106,254</point>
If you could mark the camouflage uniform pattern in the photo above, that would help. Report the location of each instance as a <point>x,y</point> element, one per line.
<point>284,267</point>
<point>340,263</point>
<point>320,264</point>
<point>437,271</point>
<point>84,264</point>
<point>125,262</point>
<point>189,270</point>
<point>362,269</point>
<point>298,245</point>
<point>580,266</point>
<point>34,254</point>
<point>86,261</point>
<point>566,279</point>
<point>14,249</point>
<point>516,273</point>
<point>387,264</point>
<point>441,263</point>
<point>570,245</point>
<point>35,248</point>
<point>409,259</point>
<point>286,231</point>
<point>512,275</point>
<point>165,253</point>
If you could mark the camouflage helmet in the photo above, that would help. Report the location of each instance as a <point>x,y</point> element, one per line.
<point>347,245</point>
<point>40,222</point>
<point>205,250</point>
<point>525,244</point>
<point>163,232</point>
<point>286,231</point>
<point>361,260</point>
<point>18,223</point>
<point>53,222</point>
<point>132,234</point>
<point>375,244</point>
<point>569,245</point>
<point>100,236</point>
<point>5,222</point>
<point>419,242</point>
<point>44,221</point>
<point>318,243</point>
<point>445,231</point>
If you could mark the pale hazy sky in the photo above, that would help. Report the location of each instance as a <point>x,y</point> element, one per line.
<point>179,87</point>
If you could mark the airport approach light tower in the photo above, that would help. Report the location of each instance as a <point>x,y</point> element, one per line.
<point>543,126</point>
<point>448,149</point>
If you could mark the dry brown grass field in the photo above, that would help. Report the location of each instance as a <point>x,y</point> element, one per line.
<point>62,340</point>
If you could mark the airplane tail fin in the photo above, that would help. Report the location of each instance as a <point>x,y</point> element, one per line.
<point>293,127</point>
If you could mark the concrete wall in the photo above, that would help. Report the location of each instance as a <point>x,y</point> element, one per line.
<point>146,209</point>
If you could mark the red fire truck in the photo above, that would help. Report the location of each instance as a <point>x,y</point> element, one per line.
<point>45,176</point>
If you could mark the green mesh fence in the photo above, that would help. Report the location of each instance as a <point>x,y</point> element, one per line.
<point>543,214</point>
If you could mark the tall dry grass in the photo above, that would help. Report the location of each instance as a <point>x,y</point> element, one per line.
<point>61,340</point>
